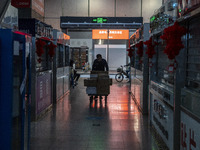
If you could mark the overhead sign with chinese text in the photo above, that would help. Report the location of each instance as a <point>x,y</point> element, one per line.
<point>113,34</point>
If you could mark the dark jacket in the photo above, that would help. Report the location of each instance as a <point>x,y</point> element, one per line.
<point>100,65</point>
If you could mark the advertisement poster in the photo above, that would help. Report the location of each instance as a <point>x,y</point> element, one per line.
<point>43,95</point>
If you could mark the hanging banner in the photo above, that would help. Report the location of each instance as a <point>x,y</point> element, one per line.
<point>38,6</point>
<point>21,3</point>
<point>113,34</point>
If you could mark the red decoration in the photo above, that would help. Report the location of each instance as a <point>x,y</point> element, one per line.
<point>45,38</point>
<point>39,48</point>
<point>52,49</point>
<point>173,35</point>
<point>140,48</point>
<point>150,47</point>
<point>130,52</point>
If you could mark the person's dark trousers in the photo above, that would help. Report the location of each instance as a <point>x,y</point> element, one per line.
<point>76,77</point>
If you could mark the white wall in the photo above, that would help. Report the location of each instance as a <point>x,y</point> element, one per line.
<point>105,8</point>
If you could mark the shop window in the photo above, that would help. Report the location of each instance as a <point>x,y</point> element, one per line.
<point>45,64</point>
<point>193,56</point>
<point>66,55</point>
<point>162,73</point>
<point>60,56</point>
<point>79,56</point>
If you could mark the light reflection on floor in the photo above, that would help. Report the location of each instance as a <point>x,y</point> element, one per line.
<point>74,124</point>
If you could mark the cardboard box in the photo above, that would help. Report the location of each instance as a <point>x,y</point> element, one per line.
<point>103,86</point>
<point>103,76</point>
<point>103,90</point>
<point>98,83</point>
<point>93,75</point>
<point>91,90</point>
<point>90,82</point>
<point>110,81</point>
<point>99,72</point>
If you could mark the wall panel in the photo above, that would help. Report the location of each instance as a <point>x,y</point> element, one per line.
<point>75,7</point>
<point>128,8</point>
<point>102,8</point>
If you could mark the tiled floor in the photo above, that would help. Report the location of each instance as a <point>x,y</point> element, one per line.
<point>74,124</point>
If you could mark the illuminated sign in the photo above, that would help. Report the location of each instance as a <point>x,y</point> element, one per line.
<point>113,34</point>
<point>152,19</point>
<point>99,20</point>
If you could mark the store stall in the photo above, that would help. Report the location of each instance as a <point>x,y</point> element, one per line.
<point>189,16</point>
<point>80,56</point>
<point>15,89</point>
<point>166,46</point>
<point>140,68</point>
<point>61,67</point>
<point>42,62</point>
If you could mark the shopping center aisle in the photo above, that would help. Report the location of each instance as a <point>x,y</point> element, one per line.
<point>74,124</point>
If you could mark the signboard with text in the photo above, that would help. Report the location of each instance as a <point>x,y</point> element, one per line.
<point>44,99</point>
<point>190,133</point>
<point>162,120</point>
<point>113,34</point>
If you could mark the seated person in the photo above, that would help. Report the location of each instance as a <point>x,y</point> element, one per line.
<point>76,75</point>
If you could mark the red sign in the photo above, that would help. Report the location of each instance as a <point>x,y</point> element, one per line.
<point>21,3</point>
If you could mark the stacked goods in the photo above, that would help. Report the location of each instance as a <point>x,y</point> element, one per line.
<point>103,86</point>
<point>99,72</point>
<point>90,82</point>
<point>98,83</point>
<point>91,90</point>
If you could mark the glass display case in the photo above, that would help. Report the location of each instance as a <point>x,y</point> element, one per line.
<point>60,55</point>
<point>193,56</point>
<point>162,62</point>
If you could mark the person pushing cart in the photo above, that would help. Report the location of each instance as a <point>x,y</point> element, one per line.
<point>99,82</point>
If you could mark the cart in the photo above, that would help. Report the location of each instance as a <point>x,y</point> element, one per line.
<point>96,96</point>
<point>98,85</point>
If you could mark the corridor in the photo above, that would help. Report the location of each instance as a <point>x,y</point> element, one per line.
<point>74,124</point>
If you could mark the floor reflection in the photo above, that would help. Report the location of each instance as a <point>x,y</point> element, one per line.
<point>76,124</point>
